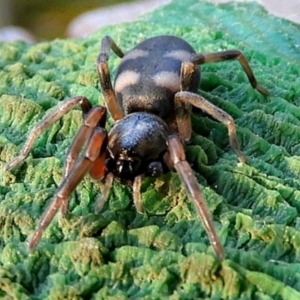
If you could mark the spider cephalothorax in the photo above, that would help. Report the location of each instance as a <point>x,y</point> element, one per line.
<point>155,87</point>
<point>135,143</point>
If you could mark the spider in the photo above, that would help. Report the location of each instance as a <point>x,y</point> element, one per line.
<point>154,90</point>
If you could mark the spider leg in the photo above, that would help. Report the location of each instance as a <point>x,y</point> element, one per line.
<point>105,192</point>
<point>137,200</point>
<point>107,45</point>
<point>203,58</point>
<point>63,108</point>
<point>183,109</point>
<point>85,162</point>
<point>177,155</point>
<point>95,118</point>
<point>217,113</point>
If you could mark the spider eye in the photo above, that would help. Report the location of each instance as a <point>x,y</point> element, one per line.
<point>127,168</point>
<point>155,169</point>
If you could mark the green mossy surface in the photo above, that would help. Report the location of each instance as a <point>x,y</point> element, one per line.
<point>165,253</point>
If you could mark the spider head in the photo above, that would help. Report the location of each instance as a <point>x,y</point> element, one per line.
<point>125,165</point>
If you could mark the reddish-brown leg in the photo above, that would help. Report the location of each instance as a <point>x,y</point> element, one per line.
<point>177,155</point>
<point>107,45</point>
<point>85,162</point>
<point>95,118</point>
<point>57,113</point>
<point>218,114</point>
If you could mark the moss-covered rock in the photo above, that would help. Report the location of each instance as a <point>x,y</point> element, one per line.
<point>165,253</point>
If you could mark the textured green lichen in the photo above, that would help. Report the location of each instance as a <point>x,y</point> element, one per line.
<point>165,253</point>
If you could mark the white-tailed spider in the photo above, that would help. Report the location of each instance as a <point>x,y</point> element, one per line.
<point>155,87</point>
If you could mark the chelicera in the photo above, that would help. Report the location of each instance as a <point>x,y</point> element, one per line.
<point>155,87</point>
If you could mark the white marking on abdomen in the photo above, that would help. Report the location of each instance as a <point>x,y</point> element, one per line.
<point>169,80</point>
<point>181,55</point>
<point>126,78</point>
<point>134,54</point>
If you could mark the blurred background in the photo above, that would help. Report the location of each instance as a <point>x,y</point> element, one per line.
<point>45,20</point>
<point>37,20</point>
<point>49,19</point>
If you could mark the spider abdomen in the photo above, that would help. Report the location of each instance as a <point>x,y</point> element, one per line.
<point>148,76</point>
